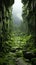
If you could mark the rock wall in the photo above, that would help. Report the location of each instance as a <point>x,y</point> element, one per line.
<point>5,13</point>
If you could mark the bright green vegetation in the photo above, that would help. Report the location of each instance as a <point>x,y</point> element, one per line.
<point>19,42</point>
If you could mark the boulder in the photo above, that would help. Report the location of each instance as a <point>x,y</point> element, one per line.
<point>29,55</point>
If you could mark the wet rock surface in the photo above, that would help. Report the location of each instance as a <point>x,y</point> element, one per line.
<point>20,61</point>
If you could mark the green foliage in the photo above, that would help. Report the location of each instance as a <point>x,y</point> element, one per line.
<point>8,59</point>
<point>24,39</point>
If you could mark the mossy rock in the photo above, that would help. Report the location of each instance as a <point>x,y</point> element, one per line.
<point>29,55</point>
<point>33,60</point>
<point>19,54</point>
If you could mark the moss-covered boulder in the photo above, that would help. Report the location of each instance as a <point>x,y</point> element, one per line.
<point>19,54</point>
<point>29,55</point>
<point>33,60</point>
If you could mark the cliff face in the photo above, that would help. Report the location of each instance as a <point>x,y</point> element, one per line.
<point>8,3</point>
<point>5,13</point>
<point>5,10</point>
<point>31,18</point>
